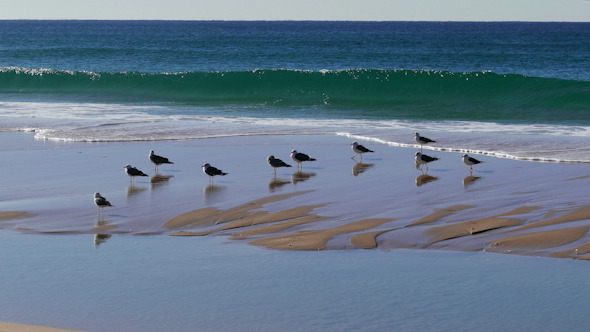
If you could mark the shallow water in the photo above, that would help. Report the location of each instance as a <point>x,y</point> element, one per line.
<point>155,283</point>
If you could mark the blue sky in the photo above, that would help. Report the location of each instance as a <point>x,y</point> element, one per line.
<point>373,10</point>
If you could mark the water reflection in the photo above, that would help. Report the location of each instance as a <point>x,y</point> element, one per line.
<point>159,180</point>
<point>213,193</point>
<point>101,226</point>
<point>470,179</point>
<point>424,179</point>
<point>134,189</point>
<point>277,183</point>
<point>301,176</point>
<point>359,168</point>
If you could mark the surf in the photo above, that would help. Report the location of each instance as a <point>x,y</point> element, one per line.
<point>356,93</point>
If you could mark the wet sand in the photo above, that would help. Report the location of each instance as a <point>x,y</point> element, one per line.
<point>12,327</point>
<point>334,203</point>
<point>383,202</point>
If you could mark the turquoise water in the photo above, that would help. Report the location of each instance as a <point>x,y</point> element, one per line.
<point>477,85</point>
<point>63,280</point>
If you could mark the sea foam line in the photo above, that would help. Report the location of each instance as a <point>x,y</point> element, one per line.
<point>496,154</point>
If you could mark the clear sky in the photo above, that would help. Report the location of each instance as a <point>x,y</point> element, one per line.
<point>362,10</point>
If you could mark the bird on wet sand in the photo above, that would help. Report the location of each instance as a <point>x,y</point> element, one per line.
<point>276,163</point>
<point>470,161</point>
<point>133,172</point>
<point>158,160</point>
<point>423,159</point>
<point>101,202</point>
<point>422,140</point>
<point>299,157</point>
<point>212,171</point>
<point>359,150</point>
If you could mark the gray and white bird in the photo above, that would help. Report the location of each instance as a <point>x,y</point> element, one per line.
<point>423,159</point>
<point>101,202</point>
<point>276,163</point>
<point>133,172</point>
<point>299,157</point>
<point>158,160</point>
<point>212,171</point>
<point>359,150</point>
<point>422,140</point>
<point>470,161</point>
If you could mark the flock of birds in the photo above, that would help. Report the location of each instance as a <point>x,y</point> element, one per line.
<point>298,157</point>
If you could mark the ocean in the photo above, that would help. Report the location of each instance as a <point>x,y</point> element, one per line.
<point>513,90</point>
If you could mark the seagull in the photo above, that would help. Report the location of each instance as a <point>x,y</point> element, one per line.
<point>276,163</point>
<point>158,160</point>
<point>101,202</point>
<point>299,157</point>
<point>212,171</point>
<point>133,172</point>
<point>424,159</point>
<point>422,140</point>
<point>359,149</point>
<point>470,161</point>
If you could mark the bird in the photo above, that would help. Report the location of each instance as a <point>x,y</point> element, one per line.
<point>422,140</point>
<point>276,163</point>
<point>212,171</point>
<point>101,202</point>
<point>359,150</point>
<point>424,159</point>
<point>299,157</point>
<point>133,172</point>
<point>470,161</point>
<point>158,160</point>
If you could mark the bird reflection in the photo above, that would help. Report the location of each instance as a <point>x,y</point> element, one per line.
<point>100,239</point>
<point>424,179</point>
<point>301,176</point>
<point>213,193</point>
<point>359,168</point>
<point>133,189</point>
<point>100,226</point>
<point>159,179</point>
<point>277,183</point>
<point>470,179</point>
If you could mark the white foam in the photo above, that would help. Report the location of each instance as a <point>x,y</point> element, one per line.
<point>95,122</point>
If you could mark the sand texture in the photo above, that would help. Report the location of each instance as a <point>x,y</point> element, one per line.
<point>385,202</point>
<point>12,327</point>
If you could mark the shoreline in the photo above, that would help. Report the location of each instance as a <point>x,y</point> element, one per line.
<point>173,237</point>
<point>15,327</point>
<point>383,203</point>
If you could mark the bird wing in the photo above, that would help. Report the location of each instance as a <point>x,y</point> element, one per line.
<point>301,156</point>
<point>102,201</point>
<point>428,158</point>
<point>159,159</point>
<point>363,149</point>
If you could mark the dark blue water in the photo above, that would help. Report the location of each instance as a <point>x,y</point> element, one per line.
<point>556,50</point>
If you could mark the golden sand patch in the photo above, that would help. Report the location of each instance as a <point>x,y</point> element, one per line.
<point>212,216</point>
<point>579,214</point>
<point>440,213</point>
<point>367,240</point>
<point>264,218</point>
<point>316,239</point>
<point>277,227</point>
<point>12,327</point>
<point>7,215</point>
<point>540,240</point>
<point>455,230</point>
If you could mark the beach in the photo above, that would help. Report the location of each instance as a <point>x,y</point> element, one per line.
<point>383,202</point>
<point>368,243</point>
<point>334,204</point>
